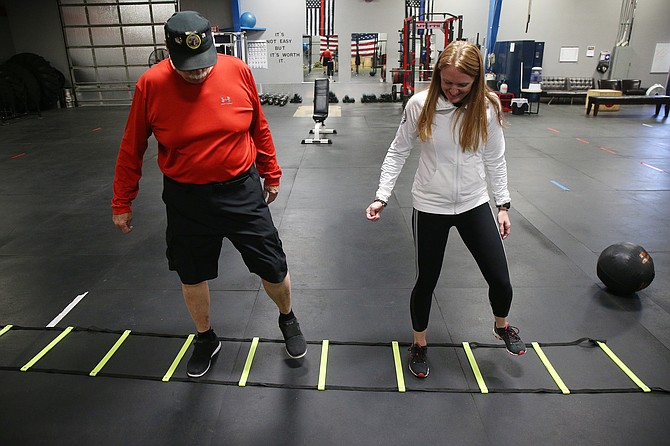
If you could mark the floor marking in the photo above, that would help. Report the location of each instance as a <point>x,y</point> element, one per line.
<point>324,365</point>
<point>607,150</point>
<point>67,309</point>
<point>178,358</point>
<point>553,130</point>
<point>647,125</point>
<point>46,349</point>
<point>560,185</point>
<point>18,156</point>
<point>582,140</point>
<point>550,368</point>
<point>96,129</point>
<point>109,354</point>
<point>247,365</point>
<point>6,329</point>
<point>475,368</point>
<point>623,367</point>
<point>652,167</point>
<point>398,367</point>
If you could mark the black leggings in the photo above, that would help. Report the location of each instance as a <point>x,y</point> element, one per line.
<point>479,231</point>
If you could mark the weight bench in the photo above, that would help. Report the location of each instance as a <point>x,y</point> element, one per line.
<point>320,113</point>
<point>596,101</point>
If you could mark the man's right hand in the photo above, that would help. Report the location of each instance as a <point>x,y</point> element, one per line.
<point>122,221</point>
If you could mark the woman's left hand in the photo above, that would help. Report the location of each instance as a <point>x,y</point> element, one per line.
<point>374,211</point>
<point>504,223</point>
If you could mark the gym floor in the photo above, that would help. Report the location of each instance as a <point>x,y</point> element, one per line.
<point>578,183</point>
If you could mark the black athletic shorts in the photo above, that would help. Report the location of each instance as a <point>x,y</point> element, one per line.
<point>199,216</point>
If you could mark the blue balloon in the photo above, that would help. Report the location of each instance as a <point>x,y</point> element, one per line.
<point>247,20</point>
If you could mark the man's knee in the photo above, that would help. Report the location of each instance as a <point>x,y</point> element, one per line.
<point>194,285</point>
<point>279,278</point>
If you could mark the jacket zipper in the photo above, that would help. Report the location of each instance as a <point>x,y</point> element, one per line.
<point>457,189</point>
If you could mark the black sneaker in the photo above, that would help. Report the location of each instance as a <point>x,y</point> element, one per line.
<point>295,343</point>
<point>510,335</point>
<point>205,347</point>
<point>417,361</point>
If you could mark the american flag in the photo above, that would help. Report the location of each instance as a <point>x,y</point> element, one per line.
<point>364,44</point>
<point>329,42</point>
<point>320,17</point>
<point>418,8</point>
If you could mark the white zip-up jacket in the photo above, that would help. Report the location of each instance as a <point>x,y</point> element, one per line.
<point>447,180</point>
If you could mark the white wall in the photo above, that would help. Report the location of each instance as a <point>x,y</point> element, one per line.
<point>581,23</point>
<point>359,16</point>
<point>564,23</point>
<point>555,22</point>
<point>651,26</point>
<point>284,23</point>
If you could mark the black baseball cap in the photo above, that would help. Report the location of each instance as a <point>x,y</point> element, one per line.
<point>188,37</point>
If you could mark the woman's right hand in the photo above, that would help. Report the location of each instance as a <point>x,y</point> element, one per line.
<point>374,211</point>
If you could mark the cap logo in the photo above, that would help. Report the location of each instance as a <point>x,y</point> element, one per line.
<point>193,41</point>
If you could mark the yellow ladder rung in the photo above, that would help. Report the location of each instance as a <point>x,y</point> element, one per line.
<point>109,354</point>
<point>475,368</point>
<point>623,367</point>
<point>247,364</point>
<point>5,329</point>
<point>324,365</point>
<point>398,367</point>
<point>178,358</point>
<point>550,368</point>
<point>46,349</point>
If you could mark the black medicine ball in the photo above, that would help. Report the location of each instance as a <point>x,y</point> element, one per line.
<point>625,268</point>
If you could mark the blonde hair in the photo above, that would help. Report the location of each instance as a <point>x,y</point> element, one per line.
<point>466,58</point>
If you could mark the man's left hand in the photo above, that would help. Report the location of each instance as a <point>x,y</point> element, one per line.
<point>270,193</point>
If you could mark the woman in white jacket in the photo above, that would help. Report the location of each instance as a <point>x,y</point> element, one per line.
<point>458,122</point>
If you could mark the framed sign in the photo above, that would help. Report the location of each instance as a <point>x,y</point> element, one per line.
<point>257,53</point>
<point>569,54</point>
<point>661,62</point>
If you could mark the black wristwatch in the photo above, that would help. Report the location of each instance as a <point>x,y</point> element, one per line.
<point>504,206</point>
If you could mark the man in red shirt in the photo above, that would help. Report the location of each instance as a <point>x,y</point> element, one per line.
<point>214,145</point>
<point>327,61</point>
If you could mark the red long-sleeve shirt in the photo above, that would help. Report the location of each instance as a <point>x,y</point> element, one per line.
<point>326,56</point>
<point>206,133</point>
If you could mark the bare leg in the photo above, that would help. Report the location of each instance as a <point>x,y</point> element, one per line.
<point>501,322</point>
<point>197,301</point>
<point>280,293</point>
<point>420,338</point>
